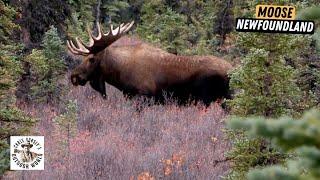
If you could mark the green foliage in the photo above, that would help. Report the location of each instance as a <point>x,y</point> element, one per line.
<point>168,28</point>
<point>68,121</point>
<point>114,10</point>
<point>52,44</point>
<point>4,160</point>
<point>180,28</point>
<point>77,27</point>
<point>38,63</point>
<point>300,136</point>
<point>66,127</point>
<point>10,70</point>
<point>312,13</point>
<point>84,13</point>
<point>83,8</point>
<point>224,20</point>
<point>38,15</point>
<point>47,67</point>
<point>7,15</point>
<point>266,85</point>
<point>12,120</point>
<point>316,36</point>
<point>270,96</point>
<point>309,80</point>
<point>310,70</point>
<point>81,17</point>
<point>264,68</point>
<point>247,153</point>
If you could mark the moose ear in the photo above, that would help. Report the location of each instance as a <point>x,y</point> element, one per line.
<point>99,85</point>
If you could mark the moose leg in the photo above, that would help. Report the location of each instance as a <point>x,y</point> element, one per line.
<point>209,89</point>
<point>98,84</point>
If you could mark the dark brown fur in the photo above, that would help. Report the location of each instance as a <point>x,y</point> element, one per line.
<point>137,68</point>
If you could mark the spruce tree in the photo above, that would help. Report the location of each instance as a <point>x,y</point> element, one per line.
<point>183,27</point>
<point>38,15</point>
<point>266,84</point>
<point>66,125</point>
<point>13,121</point>
<point>47,67</point>
<point>161,24</point>
<point>65,129</point>
<point>81,17</point>
<point>260,78</point>
<point>291,135</point>
<point>224,20</point>
<point>114,11</point>
<point>310,68</point>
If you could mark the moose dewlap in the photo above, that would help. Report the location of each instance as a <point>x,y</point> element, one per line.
<point>275,12</point>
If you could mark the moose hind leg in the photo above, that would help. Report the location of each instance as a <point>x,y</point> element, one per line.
<point>209,89</point>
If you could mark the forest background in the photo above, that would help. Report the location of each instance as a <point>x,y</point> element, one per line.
<point>275,76</point>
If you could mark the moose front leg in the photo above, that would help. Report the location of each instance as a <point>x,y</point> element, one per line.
<point>98,84</point>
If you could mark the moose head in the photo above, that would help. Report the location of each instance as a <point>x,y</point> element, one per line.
<point>89,69</point>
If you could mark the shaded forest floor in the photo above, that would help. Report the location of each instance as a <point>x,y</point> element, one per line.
<point>114,141</point>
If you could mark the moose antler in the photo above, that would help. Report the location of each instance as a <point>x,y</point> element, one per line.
<point>100,42</point>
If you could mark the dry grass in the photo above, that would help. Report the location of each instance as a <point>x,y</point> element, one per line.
<point>114,141</point>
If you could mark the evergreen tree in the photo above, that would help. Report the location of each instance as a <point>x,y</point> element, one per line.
<point>87,13</point>
<point>163,25</point>
<point>81,17</point>
<point>84,9</point>
<point>114,11</point>
<point>300,136</point>
<point>12,120</point>
<point>184,27</point>
<point>224,20</point>
<point>38,15</point>
<point>7,25</point>
<point>310,68</point>
<point>66,125</point>
<point>47,67</point>
<point>265,68</point>
<point>53,50</point>
<point>266,85</point>
<point>65,129</point>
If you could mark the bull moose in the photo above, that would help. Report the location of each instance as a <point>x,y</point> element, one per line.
<point>142,69</point>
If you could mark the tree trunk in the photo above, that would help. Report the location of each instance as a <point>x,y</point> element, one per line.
<point>98,13</point>
<point>25,37</point>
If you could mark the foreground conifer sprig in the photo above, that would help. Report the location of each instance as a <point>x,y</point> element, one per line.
<point>300,136</point>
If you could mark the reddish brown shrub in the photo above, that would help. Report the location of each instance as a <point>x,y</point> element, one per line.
<point>115,141</point>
